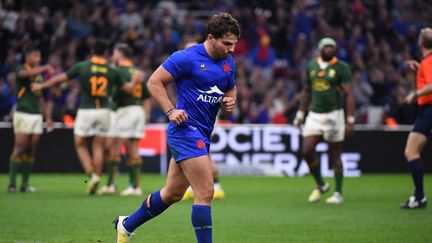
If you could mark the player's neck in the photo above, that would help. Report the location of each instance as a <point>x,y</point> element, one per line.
<point>208,48</point>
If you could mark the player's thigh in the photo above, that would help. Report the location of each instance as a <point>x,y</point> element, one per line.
<point>98,143</point>
<point>309,143</point>
<point>415,143</point>
<point>80,142</point>
<point>34,141</point>
<point>175,185</point>
<point>21,144</point>
<point>199,172</point>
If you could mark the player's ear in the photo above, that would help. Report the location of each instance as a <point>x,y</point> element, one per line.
<point>211,38</point>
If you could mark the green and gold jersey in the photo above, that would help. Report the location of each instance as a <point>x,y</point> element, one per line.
<point>27,100</point>
<point>325,80</point>
<point>139,90</point>
<point>97,80</point>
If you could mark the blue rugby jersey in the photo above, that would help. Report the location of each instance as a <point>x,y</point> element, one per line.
<point>200,83</point>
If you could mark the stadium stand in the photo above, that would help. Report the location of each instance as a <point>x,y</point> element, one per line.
<point>278,37</point>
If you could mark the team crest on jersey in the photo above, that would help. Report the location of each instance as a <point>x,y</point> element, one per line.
<point>331,73</point>
<point>226,67</point>
<point>321,85</point>
<point>203,67</point>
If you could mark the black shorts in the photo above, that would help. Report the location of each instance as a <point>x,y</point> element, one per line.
<point>423,123</point>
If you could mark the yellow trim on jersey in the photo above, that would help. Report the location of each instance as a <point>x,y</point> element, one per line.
<point>98,60</point>
<point>21,92</point>
<point>331,62</point>
<point>126,63</point>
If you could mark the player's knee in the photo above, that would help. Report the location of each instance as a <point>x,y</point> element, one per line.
<point>411,154</point>
<point>338,166</point>
<point>114,153</point>
<point>80,143</point>
<point>18,151</point>
<point>205,195</point>
<point>308,154</point>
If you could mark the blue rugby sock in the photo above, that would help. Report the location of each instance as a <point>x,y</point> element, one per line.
<point>417,172</point>
<point>151,207</point>
<point>202,223</point>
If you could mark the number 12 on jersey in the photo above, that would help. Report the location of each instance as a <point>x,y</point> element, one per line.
<point>98,86</point>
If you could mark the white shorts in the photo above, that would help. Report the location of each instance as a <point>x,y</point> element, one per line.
<point>330,125</point>
<point>111,130</point>
<point>92,122</point>
<point>130,122</point>
<point>27,123</point>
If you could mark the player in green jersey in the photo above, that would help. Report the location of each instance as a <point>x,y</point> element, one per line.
<point>97,80</point>
<point>129,122</point>
<point>27,119</point>
<point>327,81</point>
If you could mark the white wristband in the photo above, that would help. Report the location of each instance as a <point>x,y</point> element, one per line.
<point>351,119</point>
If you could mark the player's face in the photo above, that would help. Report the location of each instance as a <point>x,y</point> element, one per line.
<point>33,58</point>
<point>328,52</point>
<point>116,55</point>
<point>223,47</point>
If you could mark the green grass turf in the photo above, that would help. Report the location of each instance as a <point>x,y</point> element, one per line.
<point>255,210</point>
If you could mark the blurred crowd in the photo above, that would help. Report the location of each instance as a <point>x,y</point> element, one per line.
<point>277,40</point>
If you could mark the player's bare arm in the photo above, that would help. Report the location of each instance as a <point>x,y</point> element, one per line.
<point>50,82</point>
<point>34,71</point>
<point>229,100</point>
<point>156,86</point>
<point>303,106</point>
<point>421,92</point>
<point>46,110</point>
<point>350,106</point>
<point>136,78</point>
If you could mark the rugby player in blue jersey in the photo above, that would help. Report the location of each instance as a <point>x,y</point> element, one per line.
<point>204,78</point>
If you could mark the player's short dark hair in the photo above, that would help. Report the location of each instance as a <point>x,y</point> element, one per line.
<point>30,48</point>
<point>221,24</point>
<point>426,37</point>
<point>99,48</point>
<point>125,49</point>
